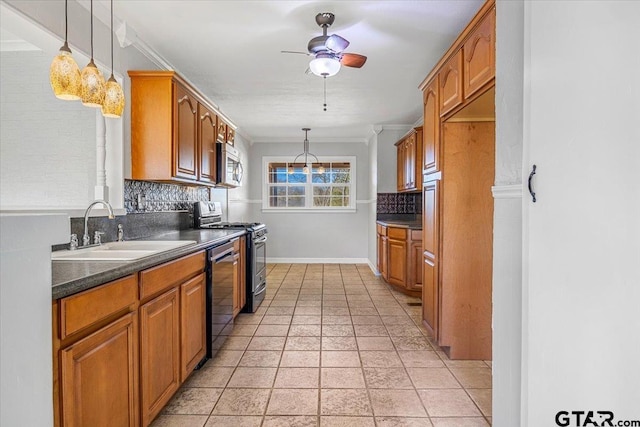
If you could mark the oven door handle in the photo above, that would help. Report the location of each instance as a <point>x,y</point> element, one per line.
<point>261,240</point>
<point>264,288</point>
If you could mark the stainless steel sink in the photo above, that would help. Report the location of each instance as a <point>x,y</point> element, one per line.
<point>120,251</point>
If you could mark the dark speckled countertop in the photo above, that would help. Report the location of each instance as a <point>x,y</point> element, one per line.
<point>70,277</point>
<point>410,224</point>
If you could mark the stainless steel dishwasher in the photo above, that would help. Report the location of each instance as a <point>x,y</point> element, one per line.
<point>219,296</point>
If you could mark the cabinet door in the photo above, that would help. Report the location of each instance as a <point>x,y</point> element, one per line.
<point>451,83</point>
<point>430,244</point>
<point>207,132</point>
<point>193,343</point>
<point>410,163</point>
<point>231,135</point>
<point>397,262</point>
<point>185,133</point>
<point>221,136</point>
<point>100,377</point>
<point>159,353</point>
<point>400,167</point>
<point>414,282</point>
<point>385,258</point>
<point>431,129</point>
<point>479,55</point>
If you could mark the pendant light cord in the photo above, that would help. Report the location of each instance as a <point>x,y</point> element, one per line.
<point>66,26</point>
<point>325,93</point>
<point>92,30</point>
<point>111,38</point>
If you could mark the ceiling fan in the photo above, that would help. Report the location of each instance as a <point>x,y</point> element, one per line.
<point>328,50</point>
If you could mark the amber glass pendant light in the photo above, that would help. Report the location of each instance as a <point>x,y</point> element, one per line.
<point>113,104</point>
<point>93,86</point>
<point>64,73</point>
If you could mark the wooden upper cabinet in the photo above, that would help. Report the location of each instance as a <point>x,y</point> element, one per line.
<point>409,150</point>
<point>400,168</point>
<point>222,131</point>
<point>170,138</point>
<point>207,133</point>
<point>479,55</point>
<point>431,128</point>
<point>450,77</point>
<point>231,135</point>
<point>186,134</point>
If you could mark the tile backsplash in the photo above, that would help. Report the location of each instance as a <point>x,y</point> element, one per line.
<point>399,203</point>
<point>145,196</point>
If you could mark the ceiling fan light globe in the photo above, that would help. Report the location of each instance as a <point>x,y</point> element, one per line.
<point>324,66</point>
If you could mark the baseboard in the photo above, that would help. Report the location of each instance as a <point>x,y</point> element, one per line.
<point>373,268</point>
<point>318,261</point>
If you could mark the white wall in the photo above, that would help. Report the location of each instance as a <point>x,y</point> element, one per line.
<point>47,150</point>
<point>26,364</point>
<point>311,236</point>
<point>373,192</point>
<point>387,156</point>
<point>44,26</point>
<point>507,223</point>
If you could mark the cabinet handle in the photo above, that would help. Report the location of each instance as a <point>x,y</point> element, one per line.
<point>533,193</point>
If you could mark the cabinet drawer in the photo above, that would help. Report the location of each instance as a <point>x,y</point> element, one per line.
<point>381,229</point>
<point>158,278</point>
<point>397,233</point>
<point>416,235</point>
<point>86,308</point>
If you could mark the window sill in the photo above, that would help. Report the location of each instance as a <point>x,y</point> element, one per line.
<point>310,210</point>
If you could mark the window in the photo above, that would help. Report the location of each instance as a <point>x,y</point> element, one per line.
<point>328,185</point>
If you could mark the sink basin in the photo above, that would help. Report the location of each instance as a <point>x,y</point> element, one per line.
<point>120,251</point>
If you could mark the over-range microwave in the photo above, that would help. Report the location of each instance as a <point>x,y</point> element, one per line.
<point>229,167</point>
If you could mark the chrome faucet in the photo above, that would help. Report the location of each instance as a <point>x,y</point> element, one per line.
<point>86,240</point>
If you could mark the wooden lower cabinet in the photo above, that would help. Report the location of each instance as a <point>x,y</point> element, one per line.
<point>99,377</point>
<point>400,256</point>
<point>193,325</point>
<point>159,353</point>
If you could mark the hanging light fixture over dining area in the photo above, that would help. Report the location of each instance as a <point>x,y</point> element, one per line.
<point>306,154</point>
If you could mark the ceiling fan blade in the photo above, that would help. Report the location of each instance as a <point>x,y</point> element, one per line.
<point>292,51</point>
<point>336,43</point>
<point>353,60</point>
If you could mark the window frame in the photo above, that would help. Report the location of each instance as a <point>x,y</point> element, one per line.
<point>266,160</point>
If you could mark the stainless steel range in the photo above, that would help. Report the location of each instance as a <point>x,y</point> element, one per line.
<point>209,215</point>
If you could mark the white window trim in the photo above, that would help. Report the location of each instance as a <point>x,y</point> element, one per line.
<point>323,159</point>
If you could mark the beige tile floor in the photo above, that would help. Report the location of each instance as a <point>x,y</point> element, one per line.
<point>332,345</point>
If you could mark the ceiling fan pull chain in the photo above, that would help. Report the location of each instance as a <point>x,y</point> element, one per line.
<point>325,93</point>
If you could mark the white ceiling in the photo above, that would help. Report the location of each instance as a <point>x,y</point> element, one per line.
<point>231,51</point>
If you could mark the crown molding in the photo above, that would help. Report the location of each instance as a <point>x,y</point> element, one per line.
<point>318,139</point>
<point>511,191</point>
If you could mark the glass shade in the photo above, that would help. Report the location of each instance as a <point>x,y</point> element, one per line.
<point>64,75</point>
<point>93,86</point>
<point>323,65</point>
<point>305,170</point>
<point>290,170</point>
<point>113,104</point>
<point>320,169</point>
